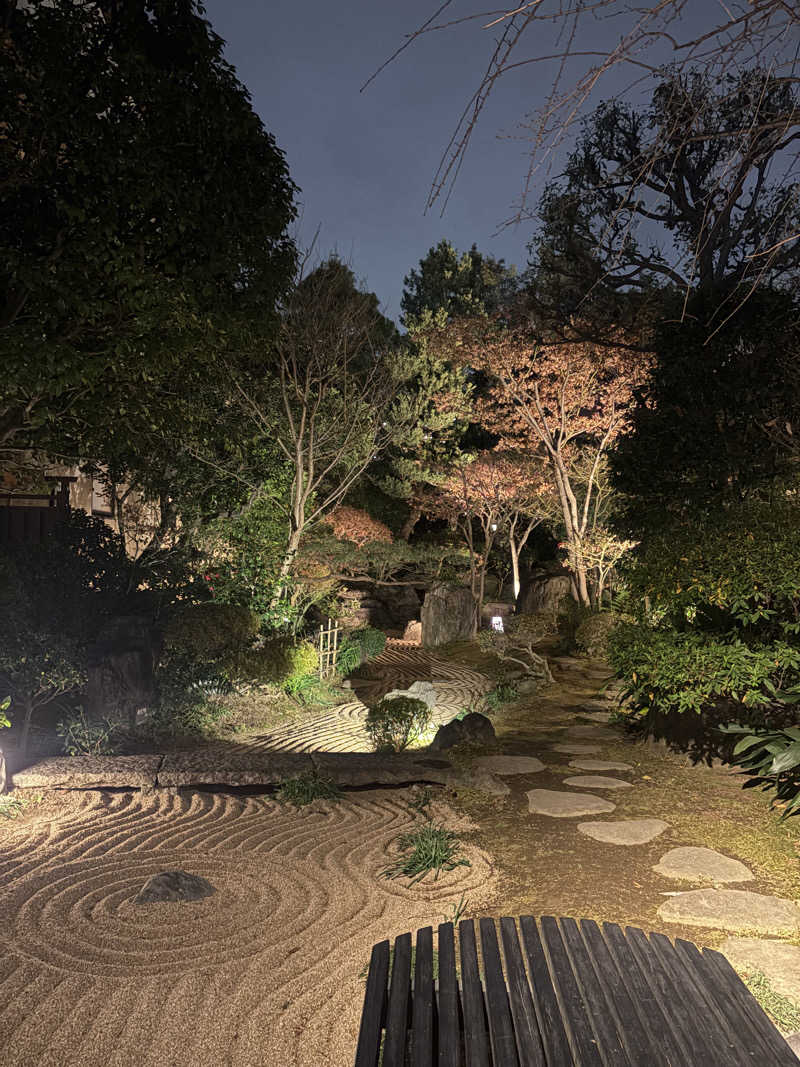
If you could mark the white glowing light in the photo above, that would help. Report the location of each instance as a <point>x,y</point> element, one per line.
<point>497,623</point>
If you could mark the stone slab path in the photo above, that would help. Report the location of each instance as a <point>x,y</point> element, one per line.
<point>596,781</point>
<point>700,865</point>
<point>510,764</point>
<point>778,961</point>
<point>599,765</point>
<point>737,910</point>
<point>566,805</point>
<point>624,831</point>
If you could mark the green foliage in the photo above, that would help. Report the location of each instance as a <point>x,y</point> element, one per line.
<point>771,759</point>
<point>119,268</point>
<point>463,284</point>
<point>358,647</point>
<point>304,789</point>
<point>593,633</point>
<point>503,693</point>
<point>15,804</point>
<point>697,443</point>
<point>429,848</point>
<point>281,661</point>
<point>4,706</point>
<point>82,737</point>
<point>666,670</point>
<point>209,632</point>
<point>718,618</point>
<point>394,723</point>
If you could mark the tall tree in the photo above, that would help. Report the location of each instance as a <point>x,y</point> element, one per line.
<point>674,195</point>
<point>566,401</point>
<point>143,206</point>
<point>464,284</point>
<point>330,397</point>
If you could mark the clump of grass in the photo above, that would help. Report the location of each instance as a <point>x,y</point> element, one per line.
<point>428,848</point>
<point>11,806</point>
<point>457,911</point>
<point>305,788</point>
<point>783,1011</point>
<point>421,802</point>
<point>503,693</point>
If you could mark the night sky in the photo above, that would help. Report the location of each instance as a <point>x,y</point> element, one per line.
<point>365,161</point>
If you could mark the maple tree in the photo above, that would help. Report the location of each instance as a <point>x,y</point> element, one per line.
<point>488,497</point>
<point>568,402</point>
<point>358,526</point>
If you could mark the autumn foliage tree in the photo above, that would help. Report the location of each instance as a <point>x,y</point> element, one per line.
<point>565,401</point>
<point>488,498</point>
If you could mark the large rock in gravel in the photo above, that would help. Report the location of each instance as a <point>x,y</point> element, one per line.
<point>702,865</point>
<point>776,960</point>
<point>173,886</point>
<point>474,728</point>
<point>624,831</point>
<point>732,909</point>
<point>566,805</point>
<point>90,772</point>
<point>448,613</point>
<point>2,772</point>
<point>424,691</point>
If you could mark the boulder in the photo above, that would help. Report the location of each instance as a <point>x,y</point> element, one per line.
<point>2,772</point>
<point>120,678</point>
<point>424,691</point>
<point>447,614</point>
<point>413,631</point>
<point>172,886</point>
<point>474,728</point>
<point>543,594</point>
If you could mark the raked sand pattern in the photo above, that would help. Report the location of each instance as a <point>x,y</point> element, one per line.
<point>264,972</point>
<point>342,729</point>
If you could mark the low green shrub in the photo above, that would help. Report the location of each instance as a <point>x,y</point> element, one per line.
<point>358,647</point>
<point>503,693</point>
<point>668,670</point>
<point>82,737</point>
<point>593,633</point>
<point>4,706</point>
<point>394,723</point>
<point>428,848</point>
<point>303,789</point>
<point>279,661</point>
<point>209,631</point>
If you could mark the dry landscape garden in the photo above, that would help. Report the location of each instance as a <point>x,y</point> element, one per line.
<point>318,628</point>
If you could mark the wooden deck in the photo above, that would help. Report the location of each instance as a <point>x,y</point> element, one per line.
<point>560,993</point>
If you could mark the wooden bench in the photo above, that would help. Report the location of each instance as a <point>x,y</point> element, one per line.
<point>562,993</point>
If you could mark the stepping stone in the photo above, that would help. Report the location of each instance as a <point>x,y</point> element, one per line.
<point>588,731</point>
<point>597,716</point>
<point>597,781</point>
<point>777,961</point>
<point>481,780</point>
<point>510,764</point>
<point>566,805</point>
<point>702,864</point>
<point>732,909</point>
<point>624,831</point>
<point>577,749</point>
<point>599,765</point>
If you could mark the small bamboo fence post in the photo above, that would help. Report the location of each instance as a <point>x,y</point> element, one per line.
<point>328,648</point>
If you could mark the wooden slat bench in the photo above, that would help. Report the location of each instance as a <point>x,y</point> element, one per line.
<point>561,993</point>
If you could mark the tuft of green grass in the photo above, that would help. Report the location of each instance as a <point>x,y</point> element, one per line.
<point>783,1011</point>
<point>303,789</point>
<point>429,848</point>
<point>11,806</point>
